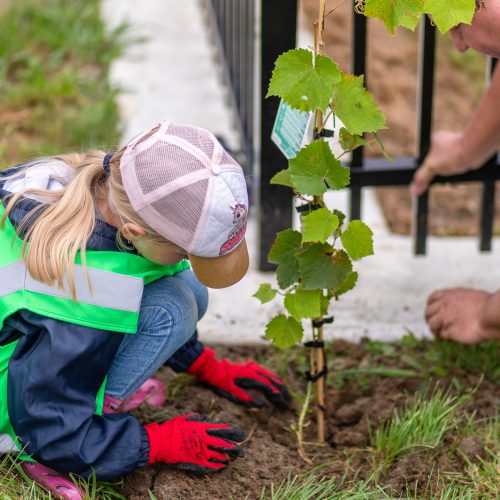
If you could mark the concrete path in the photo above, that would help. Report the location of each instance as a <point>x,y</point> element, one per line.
<point>173,76</point>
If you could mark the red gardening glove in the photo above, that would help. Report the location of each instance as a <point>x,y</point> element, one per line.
<point>194,443</point>
<point>230,379</point>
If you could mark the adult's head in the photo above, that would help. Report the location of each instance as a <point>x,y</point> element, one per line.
<point>483,34</point>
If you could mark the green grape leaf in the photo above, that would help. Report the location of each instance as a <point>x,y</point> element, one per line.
<point>287,273</point>
<point>282,178</point>
<point>283,252</point>
<point>319,225</point>
<point>343,267</point>
<point>325,302</point>
<point>349,142</point>
<point>284,332</point>
<point>265,293</point>
<point>340,215</point>
<point>348,284</point>
<point>315,168</point>
<point>382,147</point>
<point>450,13</point>
<point>357,239</point>
<point>396,13</point>
<point>303,303</point>
<point>301,84</point>
<point>355,106</point>
<point>323,267</point>
<point>316,266</point>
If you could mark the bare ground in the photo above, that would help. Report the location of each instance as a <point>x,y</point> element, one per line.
<point>352,406</point>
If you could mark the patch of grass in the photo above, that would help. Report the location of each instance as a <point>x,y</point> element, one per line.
<point>55,94</point>
<point>98,490</point>
<point>377,348</point>
<point>11,487</point>
<point>379,372</point>
<point>447,491</point>
<point>312,487</point>
<point>482,476</point>
<point>444,358</point>
<point>15,484</point>
<point>178,384</point>
<point>480,359</point>
<point>422,425</point>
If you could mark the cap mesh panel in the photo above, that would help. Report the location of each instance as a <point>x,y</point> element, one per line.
<point>202,139</point>
<point>228,160</point>
<point>183,208</point>
<point>176,163</point>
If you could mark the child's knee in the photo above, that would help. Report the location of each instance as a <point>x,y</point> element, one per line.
<point>199,290</point>
<point>169,305</point>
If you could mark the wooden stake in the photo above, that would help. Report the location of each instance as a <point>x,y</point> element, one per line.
<point>317,361</point>
<point>321,390</point>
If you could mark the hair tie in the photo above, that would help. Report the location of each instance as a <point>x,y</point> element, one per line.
<point>105,162</point>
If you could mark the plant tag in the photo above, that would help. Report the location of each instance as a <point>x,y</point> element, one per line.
<point>292,129</point>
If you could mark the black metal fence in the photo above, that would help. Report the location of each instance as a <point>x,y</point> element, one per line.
<point>277,25</point>
<point>233,24</point>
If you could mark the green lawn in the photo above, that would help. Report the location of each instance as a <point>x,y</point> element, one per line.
<point>55,94</point>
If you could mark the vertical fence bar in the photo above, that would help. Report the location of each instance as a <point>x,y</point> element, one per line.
<point>359,68</point>
<point>228,48</point>
<point>279,26</point>
<point>250,101</point>
<point>487,214</point>
<point>243,62</point>
<point>235,55</point>
<point>427,52</point>
<point>488,197</point>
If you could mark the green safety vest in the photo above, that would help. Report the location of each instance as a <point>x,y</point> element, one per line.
<point>117,280</point>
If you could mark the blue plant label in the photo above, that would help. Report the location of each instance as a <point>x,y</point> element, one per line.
<point>292,129</point>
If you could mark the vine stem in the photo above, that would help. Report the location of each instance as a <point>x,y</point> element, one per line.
<point>299,430</point>
<point>325,119</point>
<point>331,11</point>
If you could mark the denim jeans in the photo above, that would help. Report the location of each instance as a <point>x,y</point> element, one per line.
<point>170,310</point>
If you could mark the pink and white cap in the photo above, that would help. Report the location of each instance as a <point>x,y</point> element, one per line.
<point>182,182</point>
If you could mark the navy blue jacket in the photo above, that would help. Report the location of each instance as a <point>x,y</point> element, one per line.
<point>54,375</point>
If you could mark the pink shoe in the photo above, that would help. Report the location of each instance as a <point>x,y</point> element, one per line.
<point>152,392</point>
<point>60,486</point>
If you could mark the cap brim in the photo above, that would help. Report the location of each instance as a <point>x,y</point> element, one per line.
<point>224,271</point>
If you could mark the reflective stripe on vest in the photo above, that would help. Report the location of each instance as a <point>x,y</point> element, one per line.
<point>110,290</point>
<point>112,303</point>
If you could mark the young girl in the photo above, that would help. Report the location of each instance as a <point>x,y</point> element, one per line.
<point>96,294</point>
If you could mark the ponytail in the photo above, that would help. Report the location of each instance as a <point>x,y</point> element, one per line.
<point>65,221</point>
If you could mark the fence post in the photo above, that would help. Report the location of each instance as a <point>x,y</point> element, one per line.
<point>358,68</point>
<point>279,27</point>
<point>427,55</point>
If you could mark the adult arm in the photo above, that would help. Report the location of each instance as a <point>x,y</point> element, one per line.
<point>54,376</point>
<point>458,152</point>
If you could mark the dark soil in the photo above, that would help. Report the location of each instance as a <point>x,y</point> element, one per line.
<point>392,78</point>
<point>352,405</point>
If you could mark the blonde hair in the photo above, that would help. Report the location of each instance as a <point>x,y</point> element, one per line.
<point>66,217</point>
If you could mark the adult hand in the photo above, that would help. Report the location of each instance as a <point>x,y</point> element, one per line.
<point>194,443</point>
<point>231,379</point>
<point>458,314</point>
<point>447,156</point>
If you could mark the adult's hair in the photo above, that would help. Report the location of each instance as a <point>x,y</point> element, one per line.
<point>54,231</point>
